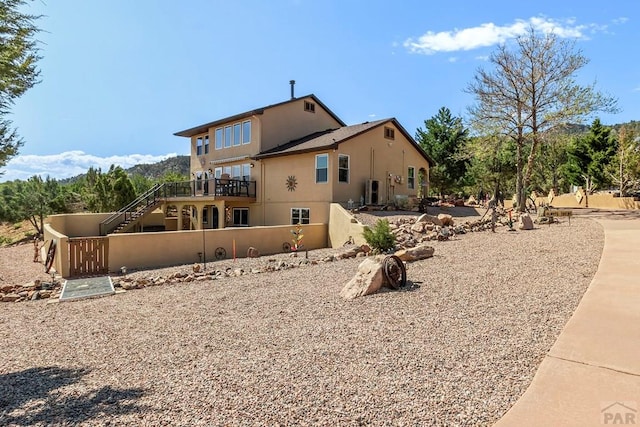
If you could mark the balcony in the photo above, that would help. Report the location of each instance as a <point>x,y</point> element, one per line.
<point>217,188</point>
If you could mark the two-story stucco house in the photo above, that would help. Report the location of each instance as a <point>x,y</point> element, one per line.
<point>287,162</point>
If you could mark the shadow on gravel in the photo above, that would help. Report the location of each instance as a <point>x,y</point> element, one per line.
<point>35,396</point>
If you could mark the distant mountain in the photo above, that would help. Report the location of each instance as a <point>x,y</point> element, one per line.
<point>178,164</point>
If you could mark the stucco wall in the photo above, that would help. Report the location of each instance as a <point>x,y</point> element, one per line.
<point>147,250</point>
<point>343,226</point>
<point>79,224</point>
<point>596,201</point>
<point>372,156</point>
<point>289,121</point>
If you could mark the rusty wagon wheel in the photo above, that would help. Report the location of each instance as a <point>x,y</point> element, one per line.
<point>394,271</point>
<point>51,255</point>
<point>220,253</point>
<point>286,247</point>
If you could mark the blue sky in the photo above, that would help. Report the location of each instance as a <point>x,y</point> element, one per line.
<point>119,77</point>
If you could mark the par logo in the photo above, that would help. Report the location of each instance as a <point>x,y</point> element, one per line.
<point>619,413</point>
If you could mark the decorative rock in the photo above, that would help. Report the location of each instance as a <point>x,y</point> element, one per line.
<point>11,298</point>
<point>196,268</point>
<point>418,227</point>
<point>368,280</point>
<point>253,252</point>
<point>6,288</point>
<point>525,222</point>
<point>429,218</point>
<point>416,253</point>
<point>446,219</point>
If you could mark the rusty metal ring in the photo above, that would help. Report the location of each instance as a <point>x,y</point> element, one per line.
<point>394,271</point>
<point>220,253</point>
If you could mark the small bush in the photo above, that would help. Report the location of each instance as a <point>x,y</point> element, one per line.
<point>380,238</point>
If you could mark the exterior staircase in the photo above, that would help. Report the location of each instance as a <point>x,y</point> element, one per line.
<point>129,215</point>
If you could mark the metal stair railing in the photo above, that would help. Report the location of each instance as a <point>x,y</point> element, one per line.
<point>134,210</point>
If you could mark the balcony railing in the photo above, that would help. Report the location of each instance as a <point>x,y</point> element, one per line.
<point>211,187</point>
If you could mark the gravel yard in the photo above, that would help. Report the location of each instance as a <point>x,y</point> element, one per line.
<point>283,347</point>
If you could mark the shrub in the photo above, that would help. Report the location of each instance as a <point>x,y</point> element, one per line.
<point>380,238</point>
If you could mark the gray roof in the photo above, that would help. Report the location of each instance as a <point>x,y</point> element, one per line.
<point>331,138</point>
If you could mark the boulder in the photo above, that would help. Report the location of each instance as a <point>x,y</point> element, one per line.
<point>416,253</point>
<point>525,222</point>
<point>446,219</point>
<point>429,218</point>
<point>368,280</point>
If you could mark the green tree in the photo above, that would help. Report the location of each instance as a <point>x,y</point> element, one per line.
<point>531,91</point>
<point>107,192</point>
<point>624,169</point>
<point>32,200</point>
<point>18,70</point>
<point>492,167</point>
<point>443,138</point>
<point>589,155</point>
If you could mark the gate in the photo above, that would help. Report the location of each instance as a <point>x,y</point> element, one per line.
<point>88,256</point>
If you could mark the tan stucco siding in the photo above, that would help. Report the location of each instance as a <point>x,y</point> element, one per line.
<point>278,199</point>
<point>204,161</point>
<point>372,156</point>
<point>290,121</point>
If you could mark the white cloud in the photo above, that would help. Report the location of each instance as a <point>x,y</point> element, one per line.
<point>69,163</point>
<point>489,34</point>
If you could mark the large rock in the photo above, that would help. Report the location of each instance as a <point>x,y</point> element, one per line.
<point>446,219</point>
<point>429,218</point>
<point>416,253</point>
<point>525,222</point>
<point>368,280</point>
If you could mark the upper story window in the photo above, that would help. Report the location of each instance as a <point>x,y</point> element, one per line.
<point>237,133</point>
<point>219,138</point>
<point>246,132</point>
<point>309,106</point>
<point>233,135</point>
<point>206,144</point>
<point>199,146</point>
<point>411,178</point>
<point>389,133</point>
<point>343,168</point>
<point>228,131</point>
<point>322,168</point>
<point>246,172</point>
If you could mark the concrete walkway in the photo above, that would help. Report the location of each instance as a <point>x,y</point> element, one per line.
<point>591,375</point>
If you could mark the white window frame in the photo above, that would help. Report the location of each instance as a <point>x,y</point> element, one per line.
<point>217,172</point>
<point>326,156</point>
<point>206,144</point>
<point>246,171</point>
<point>228,136</point>
<point>219,137</point>
<point>237,134</point>
<point>300,217</point>
<point>233,216</point>
<point>411,178</point>
<point>199,146</point>
<point>246,136</point>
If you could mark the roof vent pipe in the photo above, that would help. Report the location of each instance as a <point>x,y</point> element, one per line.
<point>292,83</point>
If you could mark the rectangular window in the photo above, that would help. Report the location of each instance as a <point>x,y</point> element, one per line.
<point>389,133</point>
<point>246,132</point>
<point>219,138</point>
<point>241,217</point>
<point>246,172</point>
<point>199,146</point>
<point>236,134</point>
<point>206,144</point>
<point>411,178</point>
<point>205,215</point>
<point>343,168</point>
<point>227,136</point>
<point>322,168</point>
<point>227,170</point>
<point>300,216</point>
<point>235,171</point>
<point>217,172</point>
<point>309,106</point>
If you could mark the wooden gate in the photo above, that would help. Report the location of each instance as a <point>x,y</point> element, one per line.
<point>88,256</point>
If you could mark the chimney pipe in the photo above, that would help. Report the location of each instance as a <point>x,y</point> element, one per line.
<point>292,83</point>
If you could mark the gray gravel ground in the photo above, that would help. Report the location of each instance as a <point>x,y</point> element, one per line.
<point>283,348</point>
